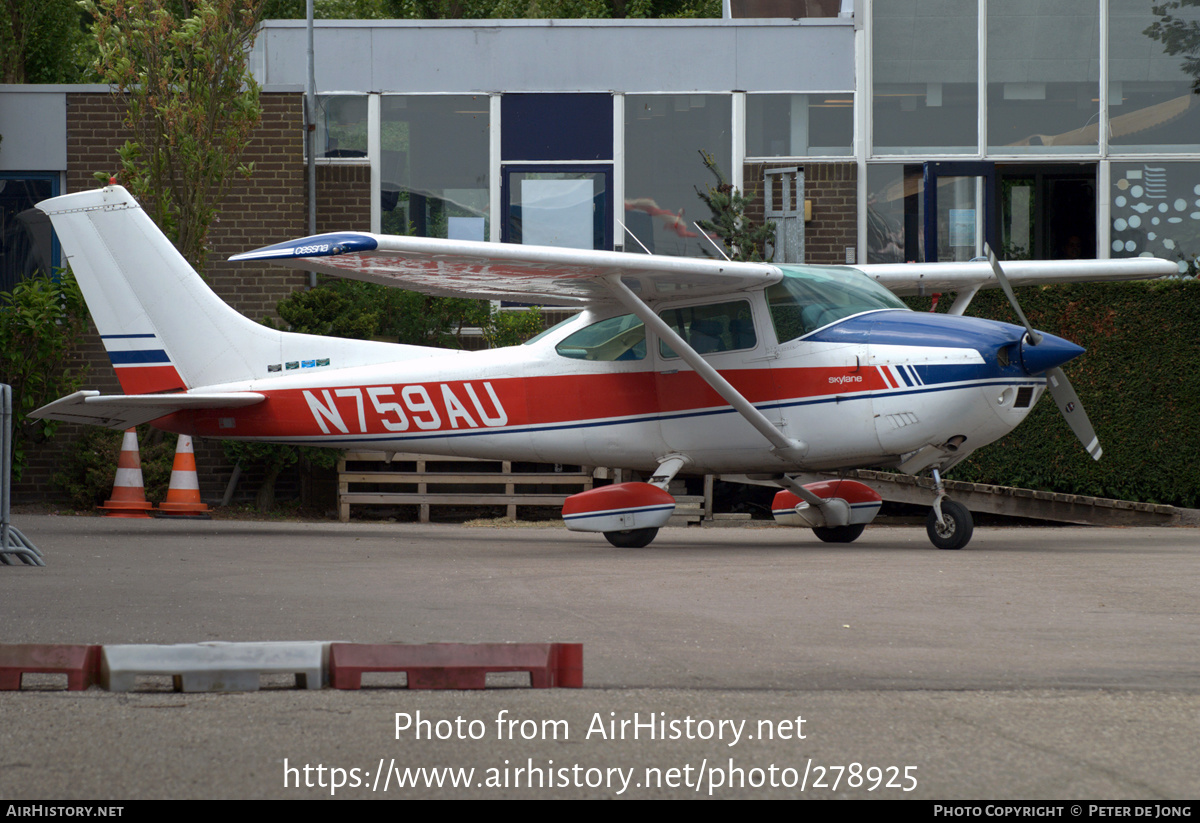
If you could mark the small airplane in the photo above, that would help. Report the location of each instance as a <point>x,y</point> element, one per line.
<point>674,365</point>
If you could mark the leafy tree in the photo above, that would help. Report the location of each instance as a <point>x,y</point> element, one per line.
<point>743,238</point>
<point>273,458</point>
<point>327,10</point>
<point>1178,36</point>
<point>512,328</point>
<point>40,321</point>
<point>87,470</point>
<point>493,9</point>
<point>365,311</point>
<point>558,9</point>
<point>43,41</point>
<point>179,70</point>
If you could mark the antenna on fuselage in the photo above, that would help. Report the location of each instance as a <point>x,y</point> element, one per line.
<point>635,237</point>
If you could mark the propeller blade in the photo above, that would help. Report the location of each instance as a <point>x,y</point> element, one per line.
<point>1060,387</point>
<point>1034,337</point>
<point>1072,410</point>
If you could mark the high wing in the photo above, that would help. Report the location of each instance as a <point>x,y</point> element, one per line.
<point>531,274</point>
<point>503,271</point>
<point>924,278</point>
<point>123,411</point>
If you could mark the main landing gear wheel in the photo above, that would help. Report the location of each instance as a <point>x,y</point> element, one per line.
<point>839,534</point>
<point>956,530</point>
<point>631,538</point>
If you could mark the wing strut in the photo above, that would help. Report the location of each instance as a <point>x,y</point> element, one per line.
<point>785,447</point>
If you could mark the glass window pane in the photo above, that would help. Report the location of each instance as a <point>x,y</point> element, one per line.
<point>710,329</point>
<point>25,234</point>
<point>434,165</point>
<point>807,299</point>
<point>960,225</point>
<point>617,338</point>
<point>563,209</point>
<point>926,68</point>
<point>664,135</point>
<point>1156,210</point>
<point>895,213</point>
<point>1043,77</point>
<point>1151,99</point>
<point>342,125</point>
<point>799,125</point>
<point>1017,198</point>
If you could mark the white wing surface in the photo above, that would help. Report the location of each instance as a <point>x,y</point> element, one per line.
<point>917,278</point>
<point>503,271</point>
<point>532,274</point>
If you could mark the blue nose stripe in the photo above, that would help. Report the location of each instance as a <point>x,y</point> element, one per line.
<point>988,337</point>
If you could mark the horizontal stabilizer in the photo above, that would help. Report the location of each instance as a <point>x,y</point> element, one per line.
<point>119,411</point>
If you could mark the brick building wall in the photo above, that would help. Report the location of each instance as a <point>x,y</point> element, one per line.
<point>833,190</point>
<point>342,201</point>
<point>266,208</point>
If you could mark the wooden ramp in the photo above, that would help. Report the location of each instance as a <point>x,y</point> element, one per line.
<point>1014,502</point>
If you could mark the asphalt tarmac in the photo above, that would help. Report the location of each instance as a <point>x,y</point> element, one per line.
<point>1055,663</point>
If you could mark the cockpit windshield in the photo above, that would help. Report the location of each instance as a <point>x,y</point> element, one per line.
<point>809,297</point>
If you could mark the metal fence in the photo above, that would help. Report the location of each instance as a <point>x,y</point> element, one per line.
<point>13,545</point>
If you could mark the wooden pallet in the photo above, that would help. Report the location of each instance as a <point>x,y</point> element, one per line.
<point>426,481</point>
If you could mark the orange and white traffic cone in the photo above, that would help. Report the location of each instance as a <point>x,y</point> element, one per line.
<point>128,494</point>
<point>183,496</point>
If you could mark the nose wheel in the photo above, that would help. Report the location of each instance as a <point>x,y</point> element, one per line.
<point>949,524</point>
<point>955,529</point>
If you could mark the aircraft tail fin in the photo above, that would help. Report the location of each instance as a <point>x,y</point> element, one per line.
<point>164,329</point>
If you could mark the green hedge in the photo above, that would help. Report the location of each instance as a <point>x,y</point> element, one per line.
<point>1140,384</point>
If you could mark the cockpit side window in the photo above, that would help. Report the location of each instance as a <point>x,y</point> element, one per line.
<point>713,328</point>
<point>617,338</point>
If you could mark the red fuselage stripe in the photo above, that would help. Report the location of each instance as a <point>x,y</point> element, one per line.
<point>457,405</point>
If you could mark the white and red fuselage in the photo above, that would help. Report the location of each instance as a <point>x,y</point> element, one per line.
<point>875,387</point>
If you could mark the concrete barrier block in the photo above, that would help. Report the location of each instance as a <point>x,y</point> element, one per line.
<point>215,666</point>
<point>457,665</point>
<point>80,663</point>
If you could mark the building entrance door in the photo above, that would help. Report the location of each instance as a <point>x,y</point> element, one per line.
<point>960,213</point>
<point>1048,211</point>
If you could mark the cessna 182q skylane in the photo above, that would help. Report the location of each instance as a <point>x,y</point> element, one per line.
<point>674,365</point>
